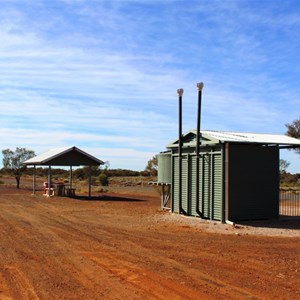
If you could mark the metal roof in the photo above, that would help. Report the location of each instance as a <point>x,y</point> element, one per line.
<point>261,138</point>
<point>214,136</point>
<point>67,156</point>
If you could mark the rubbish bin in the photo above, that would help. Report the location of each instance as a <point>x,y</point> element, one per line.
<point>60,189</point>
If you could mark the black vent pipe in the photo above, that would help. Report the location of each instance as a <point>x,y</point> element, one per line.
<point>198,143</point>
<point>180,92</point>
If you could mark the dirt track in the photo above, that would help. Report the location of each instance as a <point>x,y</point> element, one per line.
<point>124,247</point>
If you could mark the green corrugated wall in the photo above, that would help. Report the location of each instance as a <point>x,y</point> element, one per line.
<point>210,184</point>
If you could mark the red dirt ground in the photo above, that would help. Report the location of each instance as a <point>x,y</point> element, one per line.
<point>122,246</point>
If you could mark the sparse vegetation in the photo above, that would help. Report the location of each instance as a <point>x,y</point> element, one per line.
<point>152,166</point>
<point>288,180</point>
<point>13,161</point>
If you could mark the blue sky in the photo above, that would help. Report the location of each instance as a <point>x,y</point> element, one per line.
<point>102,75</point>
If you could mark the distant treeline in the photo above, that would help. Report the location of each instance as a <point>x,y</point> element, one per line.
<point>80,173</point>
<point>290,180</point>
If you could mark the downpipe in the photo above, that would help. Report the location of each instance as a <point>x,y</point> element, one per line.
<point>180,93</point>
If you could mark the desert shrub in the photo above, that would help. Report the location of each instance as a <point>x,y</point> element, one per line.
<point>103,179</point>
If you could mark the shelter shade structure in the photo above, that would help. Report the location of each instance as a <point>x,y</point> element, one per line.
<point>67,156</point>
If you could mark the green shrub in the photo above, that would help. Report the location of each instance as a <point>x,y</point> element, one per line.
<point>103,179</point>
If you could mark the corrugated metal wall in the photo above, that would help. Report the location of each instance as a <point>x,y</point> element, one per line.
<point>185,184</point>
<point>175,181</point>
<point>249,191</point>
<point>192,186</point>
<point>210,184</point>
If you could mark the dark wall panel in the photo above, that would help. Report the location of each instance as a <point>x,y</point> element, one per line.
<point>253,182</point>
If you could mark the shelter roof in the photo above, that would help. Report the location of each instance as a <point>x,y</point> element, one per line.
<point>67,156</point>
<point>209,137</point>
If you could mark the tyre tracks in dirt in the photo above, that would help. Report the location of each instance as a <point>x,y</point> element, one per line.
<point>51,264</point>
<point>126,263</point>
<point>67,249</point>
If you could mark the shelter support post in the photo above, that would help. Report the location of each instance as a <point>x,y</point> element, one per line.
<point>49,181</point>
<point>90,181</point>
<point>71,177</point>
<point>34,180</point>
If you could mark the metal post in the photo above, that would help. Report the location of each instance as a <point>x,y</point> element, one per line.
<point>90,181</point>
<point>49,181</point>
<point>163,196</point>
<point>198,143</point>
<point>34,179</point>
<point>71,177</point>
<point>180,92</point>
<point>227,182</point>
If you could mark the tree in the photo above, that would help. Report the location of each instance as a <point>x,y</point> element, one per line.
<point>283,165</point>
<point>293,130</point>
<point>152,166</point>
<point>103,176</point>
<point>13,161</point>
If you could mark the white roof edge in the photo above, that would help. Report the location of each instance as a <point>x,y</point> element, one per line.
<point>89,155</point>
<point>53,153</point>
<point>262,138</point>
<point>246,137</point>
